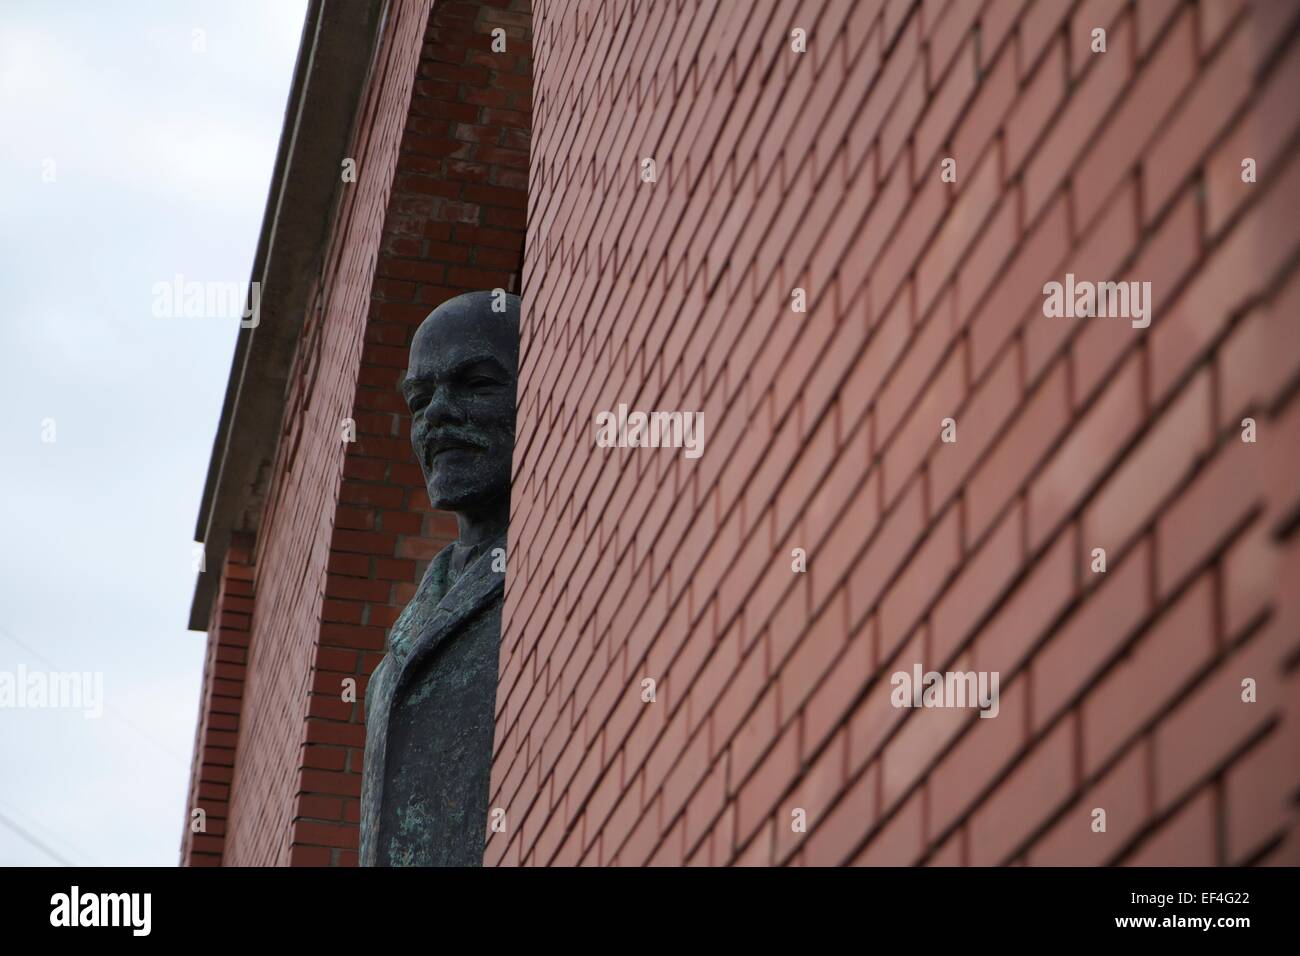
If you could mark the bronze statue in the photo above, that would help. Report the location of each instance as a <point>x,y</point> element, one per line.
<point>430,705</point>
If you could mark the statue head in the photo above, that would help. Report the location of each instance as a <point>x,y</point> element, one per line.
<point>460,387</point>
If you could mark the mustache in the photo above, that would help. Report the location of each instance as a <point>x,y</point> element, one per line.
<point>437,440</point>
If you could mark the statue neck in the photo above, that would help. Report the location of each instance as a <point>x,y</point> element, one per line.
<point>480,527</point>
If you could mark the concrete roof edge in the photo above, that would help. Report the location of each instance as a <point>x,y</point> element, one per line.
<point>335,58</point>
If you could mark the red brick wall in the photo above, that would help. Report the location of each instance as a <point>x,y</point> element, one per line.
<point>276,775</point>
<point>346,531</point>
<point>821,171</point>
<point>224,673</point>
<point>455,223</point>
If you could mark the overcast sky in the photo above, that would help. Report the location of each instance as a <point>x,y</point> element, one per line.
<point>162,142</point>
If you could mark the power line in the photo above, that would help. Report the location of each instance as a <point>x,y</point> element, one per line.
<point>108,708</point>
<point>18,828</point>
<point>34,841</point>
<point>82,858</point>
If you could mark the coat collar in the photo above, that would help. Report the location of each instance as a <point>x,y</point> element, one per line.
<point>476,588</point>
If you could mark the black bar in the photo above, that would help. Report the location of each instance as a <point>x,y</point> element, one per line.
<point>444,908</point>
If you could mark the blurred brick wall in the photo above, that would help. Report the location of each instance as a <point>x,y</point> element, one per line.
<point>820,171</point>
<point>438,208</point>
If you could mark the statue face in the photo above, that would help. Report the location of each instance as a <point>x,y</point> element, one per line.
<point>460,387</point>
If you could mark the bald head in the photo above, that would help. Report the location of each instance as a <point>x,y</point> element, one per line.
<point>466,321</point>
<point>460,387</point>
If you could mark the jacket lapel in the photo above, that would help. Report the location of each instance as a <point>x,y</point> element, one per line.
<point>476,588</point>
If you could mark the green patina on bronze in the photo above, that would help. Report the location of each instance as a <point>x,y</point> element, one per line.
<point>430,705</point>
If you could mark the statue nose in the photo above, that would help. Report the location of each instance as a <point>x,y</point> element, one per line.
<point>443,409</point>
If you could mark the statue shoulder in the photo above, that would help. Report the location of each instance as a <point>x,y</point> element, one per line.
<point>428,593</point>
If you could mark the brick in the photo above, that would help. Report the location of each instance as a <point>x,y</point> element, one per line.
<point>945,27</point>
<point>1036,788</point>
<point>949,852</point>
<point>979,422</point>
<point>1252,374</point>
<point>1072,840</point>
<point>1151,19</point>
<point>946,103</point>
<point>1005,642</point>
<point>1034,108</point>
<point>1043,417</point>
<point>1185,840</point>
<point>1038,25</point>
<point>772,778</point>
<point>875,718</point>
<point>1257,791</point>
<point>818,786</point>
<point>1236,269</point>
<point>829,706</point>
<point>1090,447</point>
<point>982,264</point>
<point>903,115</point>
<point>1216,504</point>
<point>980,120</point>
<point>1003,309</point>
<point>1163,261</point>
<point>924,213</point>
<point>832,840</point>
<point>928,350</point>
<point>1151,471</point>
<point>978,758</point>
<point>900,842</point>
<point>1091,635</point>
<point>1214,19</point>
<point>920,582</point>
<point>984,576</point>
<point>884,556</point>
<point>1148,677</point>
<point>1263,141</point>
<point>740,695</point>
<point>1216,95</point>
<point>753,737</point>
<point>860,255</point>
<point>1248,567</point>
<point>924,734</point>
<point>819,646</point>
<point>922,431</point>
<point>996,23</point>
<point>1087,17</point>
<point>979,194</point>
<point>1212,722</point>
<point>1077,123</point>
<point>1100,255</point>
